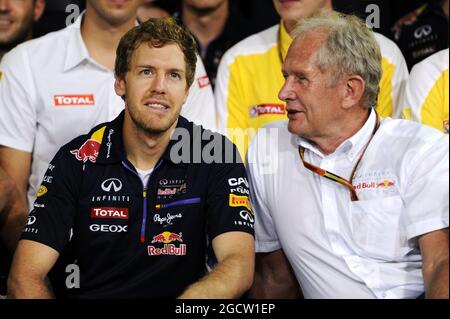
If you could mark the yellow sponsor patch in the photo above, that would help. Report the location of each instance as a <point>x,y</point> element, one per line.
<point>41,191</point>
<point>237,201</point>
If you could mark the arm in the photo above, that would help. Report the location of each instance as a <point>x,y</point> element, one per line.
<point>5,189</point>
<point>31,264</point>
<point>434,249</point>
<point>274,277</point>
<point>233,274</point>
<point>15,209</point>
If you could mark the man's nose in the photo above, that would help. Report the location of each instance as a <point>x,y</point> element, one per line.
<point>159,83</point>
<point>5,5</point>
<point>286,93</point>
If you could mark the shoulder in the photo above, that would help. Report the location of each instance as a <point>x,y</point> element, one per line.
<point>410,138</point>
<point>436,62</point>
<point>389,49</point>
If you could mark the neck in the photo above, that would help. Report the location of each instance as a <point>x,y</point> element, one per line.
<point>144,149</point>
<point>9,46</point>
<point>205,25</point>
<point>101,38</point>
<point>329,142</point>
<point>445,7</point>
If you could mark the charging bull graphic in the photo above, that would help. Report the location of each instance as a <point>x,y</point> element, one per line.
<point>91,148</point>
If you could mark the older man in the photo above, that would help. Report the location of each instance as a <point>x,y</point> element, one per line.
<point>347,204</point>
<point>249,77</point>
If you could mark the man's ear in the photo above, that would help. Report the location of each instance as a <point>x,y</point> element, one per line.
<point>39,7</point>
<point>119,87</point>
<point>353,91</point>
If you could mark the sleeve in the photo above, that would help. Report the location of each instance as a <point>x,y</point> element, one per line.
<point>266,237</point>
<point>426,197</point>
<point>228,203</point>
<point>51,220</point>
<point>426,96</point>
<point>200,105</point>
<point>18,118</point>
<point>393,81</point>
<point>233,118</point>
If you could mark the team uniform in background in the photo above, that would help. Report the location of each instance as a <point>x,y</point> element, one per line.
<point>135,239</point>
<point>340,248</point>
<point>51,91</point>
<point>249,80</point>
<point>426,95</point>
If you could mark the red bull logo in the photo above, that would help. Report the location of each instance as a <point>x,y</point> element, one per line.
<point>90,149</point>
<point>167,237</point>
<point>386,184</point>
<point>168,249</point>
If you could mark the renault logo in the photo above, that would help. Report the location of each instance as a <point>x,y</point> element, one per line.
<point>113,183</point>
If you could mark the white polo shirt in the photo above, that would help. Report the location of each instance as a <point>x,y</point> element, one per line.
<point>51,91</point>
<point>344,249</point>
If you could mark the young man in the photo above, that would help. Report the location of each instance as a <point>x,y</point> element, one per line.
<point>41,111</point>
<point>16,22</point>
<point>249,75</point>
<point>139,210</point>
<point>351,209</point>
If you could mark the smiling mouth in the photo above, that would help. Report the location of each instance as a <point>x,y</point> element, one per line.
<point>157,106</point>
<point>4,22</point>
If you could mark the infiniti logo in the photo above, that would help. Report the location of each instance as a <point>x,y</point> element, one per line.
<point>113,183</point>
<point>423,31</point>
<point>31,220</point>
<point>246,215</point>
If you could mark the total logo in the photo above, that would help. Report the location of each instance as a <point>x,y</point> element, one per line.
<point>169,249</point>
<point>109,212</point>
<point>267,109</point>
<point>74,100</point>
<point>109,228</point>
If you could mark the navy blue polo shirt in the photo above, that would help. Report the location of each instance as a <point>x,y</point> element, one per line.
<point>139,241</point>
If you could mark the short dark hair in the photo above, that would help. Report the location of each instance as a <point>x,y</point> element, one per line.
<point>158,33</point>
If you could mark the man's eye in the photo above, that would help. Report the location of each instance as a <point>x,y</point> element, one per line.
<point>146,72</point>
<point>175,75</point>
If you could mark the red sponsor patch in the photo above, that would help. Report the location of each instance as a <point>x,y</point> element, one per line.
<point>203,81</point>
<point>267,109</point>
<point>74,100</point>
<point>88,151</point>
<point>168,249</point>
<point>109,212</point>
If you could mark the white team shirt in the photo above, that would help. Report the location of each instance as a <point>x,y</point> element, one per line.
<point>426,94</point>
<point>52,91</point>
<point>344,249</point>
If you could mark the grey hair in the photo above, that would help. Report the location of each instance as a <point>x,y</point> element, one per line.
<point>350,48</point>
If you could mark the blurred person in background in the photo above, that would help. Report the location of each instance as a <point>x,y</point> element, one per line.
<point>16,22</point>
<point>216,25</point>
<point>423,31</point>
<point>426,94</point>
